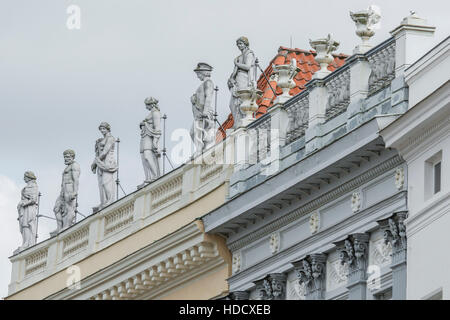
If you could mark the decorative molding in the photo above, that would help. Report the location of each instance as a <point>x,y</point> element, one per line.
<point>338,88</point>
<point>399,178</point>
<point>272,287</point>
<point>164,272</point>
<point>166,193</point>
<point>310,272</point>
<point>76,241</point>
<point>336,274</point>
<point>394,233</point>
<point>281,261</point>
<point>382,64</point>
<point>236,263</point>
<point>274,242</point>
<point>119,218</point>
<point>314,222</point>
<point>356,201</point>
<point>354,251</point>
<point>413,142</point>
<point>380,253</point>
<point>209,171</point>
<point>295,290</point>
<point>36,262</point>
<point>298,114</point>
<point>317,203</point>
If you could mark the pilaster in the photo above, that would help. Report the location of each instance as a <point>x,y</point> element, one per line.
<point>394,232</point>
<point>311,273</point>
<point>272,287</point>
<point>354,251</point>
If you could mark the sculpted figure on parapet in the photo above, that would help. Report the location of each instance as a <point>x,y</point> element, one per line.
<point>105,165</point>
<point>66,204</point>
<point>243,77</point>
<point>150,135</point>
<point>28,209</point>
<point>202,130</point>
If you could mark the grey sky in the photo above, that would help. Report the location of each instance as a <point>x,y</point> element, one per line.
<point>57,85</point>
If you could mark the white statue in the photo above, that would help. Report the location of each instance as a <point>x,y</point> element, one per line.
<point>202,130</point>
<point>28,209</point>
<point>66,204</point>
<point>243,77</point>
<point>105,165</point>
<point>150,134</point>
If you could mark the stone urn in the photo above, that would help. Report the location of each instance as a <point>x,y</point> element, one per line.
<point>366,22</point>
<point>324,47</point>
<point>285,74</point>
<point>248,105</point>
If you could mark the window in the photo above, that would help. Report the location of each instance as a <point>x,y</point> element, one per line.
<point>437,177</point>
<point>433,175</point>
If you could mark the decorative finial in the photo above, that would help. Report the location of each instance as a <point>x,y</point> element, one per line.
<point>367,21</point>
<point>324,47</point>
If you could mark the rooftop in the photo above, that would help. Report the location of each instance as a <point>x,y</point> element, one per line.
<point>307,65</point>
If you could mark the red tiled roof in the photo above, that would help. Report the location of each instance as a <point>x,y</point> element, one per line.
<point>307,65</point>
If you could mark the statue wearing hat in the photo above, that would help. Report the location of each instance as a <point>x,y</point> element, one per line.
<point>66,205</point>
<point>243,77</point>
<point>150,134</point>
<point>27,209</point>
<point>105,165</point>
<point>202,130</point>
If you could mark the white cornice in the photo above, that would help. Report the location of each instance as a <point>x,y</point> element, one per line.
<point>419,122</point>
<point>305,209</point>
<point>158,267</point>
<point>427,61</point>
<point>435,208</point>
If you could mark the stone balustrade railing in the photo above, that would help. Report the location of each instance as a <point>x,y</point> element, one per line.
<point>298,113</point>
<point>338,88</point>
<point>335,94</point>
<point>129,214</point>
<point>382,65</point>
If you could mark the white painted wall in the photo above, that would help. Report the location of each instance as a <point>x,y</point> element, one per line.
<point>420,134</point>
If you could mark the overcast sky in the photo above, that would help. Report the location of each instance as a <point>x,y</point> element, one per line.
<point>57,85</point>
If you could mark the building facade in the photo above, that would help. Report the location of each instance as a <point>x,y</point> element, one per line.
<point>321,196</point>
<point>422,137</point>
<point>147,245</point>
<point>323,215</point>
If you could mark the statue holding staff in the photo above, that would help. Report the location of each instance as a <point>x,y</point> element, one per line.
<point>105,165</point>
<point>202,130</point>
<point>243,77</point>
<point>66,204</point>
<point>28,209</point>
<point>150,135</point>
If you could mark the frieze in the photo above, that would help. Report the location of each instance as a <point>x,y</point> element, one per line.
<point>317,203</point>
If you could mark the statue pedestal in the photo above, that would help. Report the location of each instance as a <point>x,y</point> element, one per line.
<point>248,105</point>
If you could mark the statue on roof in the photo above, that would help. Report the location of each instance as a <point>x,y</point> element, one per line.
<point>105,165</point>
<point>243,77</point>
<point>202,130</point>
<point>150,135</point>
<point>28,209</point>
<point>66,205</point>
